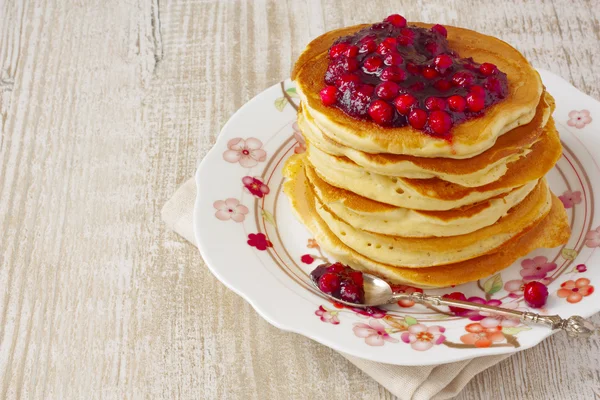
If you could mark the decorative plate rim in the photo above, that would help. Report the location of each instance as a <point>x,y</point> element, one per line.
<point>248,291</point>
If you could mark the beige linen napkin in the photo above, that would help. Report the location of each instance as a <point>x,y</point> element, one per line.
<point>408,383</point>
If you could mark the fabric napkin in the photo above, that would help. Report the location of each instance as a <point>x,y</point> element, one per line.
<point>407,383</point>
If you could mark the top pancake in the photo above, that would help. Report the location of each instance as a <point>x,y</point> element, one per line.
<point>480,170</point>
<point>469,138</point>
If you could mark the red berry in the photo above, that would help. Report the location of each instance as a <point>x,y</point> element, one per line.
<point>463,78</point>
<point>329,282</point>
<point>417,87</point>
<point>432,47</point>
<point>456,296</point>
<point>435,103</point>
<point>346,81</point>
<point>412,68</point>
<point>442,85</point>
<point>351,64</point>
<point>440,29</point>
<point>366,89</point>
<point>429,73</point>
<point>328,95</point>
<point>372,64</point>
<point>351,51</point>
<point>350,293</point>
<point>357,278</point>
<point>440,122</point>
<point>385,48</point>
<point>335,268</point>
<point>535,294</point>
<point>492,84</point>
<point>337,49</point>
<point>368,46</point>
<point>404,103</point>
<point>390,42</point>
<point>406,38</point>
<point>487,69</point>
<point>442,61</point>
<point>477,91</point>
<point>417,118</point>
<point>381,112</point>
<point>475,103</point>
<point>393,73</point>
<point>393,59</point>
<point>387,90</point>
<point>397,20</point>
<point>457,103</point>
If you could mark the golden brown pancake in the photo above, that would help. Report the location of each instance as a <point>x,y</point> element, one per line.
<point>434,193</point>
<point>469,138</point>
<point>476,171</point>
<point>375,217</point>
<point>551,231</point>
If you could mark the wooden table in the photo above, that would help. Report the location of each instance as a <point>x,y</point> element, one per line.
<point>106,107</point>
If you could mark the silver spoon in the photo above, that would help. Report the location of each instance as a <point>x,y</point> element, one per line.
<point>378,292</point>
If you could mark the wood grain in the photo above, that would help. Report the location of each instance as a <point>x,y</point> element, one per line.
<point>106,107</point>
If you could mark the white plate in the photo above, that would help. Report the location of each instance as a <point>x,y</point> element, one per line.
<point>261,252</point>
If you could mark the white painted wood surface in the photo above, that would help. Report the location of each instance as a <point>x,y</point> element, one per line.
<point>106,106</point>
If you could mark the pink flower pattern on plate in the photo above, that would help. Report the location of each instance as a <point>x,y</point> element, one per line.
<point>569,199</point>
<point>247,152</point>
<point>492,321</point>
<point>301,146</point>
<point>579,119</point>
<point>330,316</point>
<point>230,209</point>
<point>374,333</point>
<point>514,288</point>
<point>534,269</point>
<point>255,186</point>
<point>423,338</point>
<point>592,238</point>
<point>475,315</point>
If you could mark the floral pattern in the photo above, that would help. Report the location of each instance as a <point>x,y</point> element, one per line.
<point>579,119</point>
<point>493,321</point>
<point>475,315</point>
<point>408,290</point>
<point>592,238</point>
<point>329,316</point>
<point>259,240</point>
<point>247,152</point>
<point>575,291</point>
<point>301,146</point>
<point>534,269</point>
<point>374,333</point>
<point>230,209</point>
<point>255,186</point>
<point>569,198</point>
<point>422,337</point>
<point>380,325</point>
<point>480,336</point>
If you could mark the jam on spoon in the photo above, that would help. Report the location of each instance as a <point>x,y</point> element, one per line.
<point>340,281</point>
<point>398,75</point>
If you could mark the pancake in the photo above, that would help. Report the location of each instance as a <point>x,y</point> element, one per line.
<point>480,170</point>
<point>469,138</point>
<point>375,217</point>
<point>551,231</point>
<point>426,252</point>
<point>434,193</point>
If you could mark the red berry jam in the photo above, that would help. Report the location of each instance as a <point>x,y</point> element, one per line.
<point>398,75</point>
<point>340,281</point>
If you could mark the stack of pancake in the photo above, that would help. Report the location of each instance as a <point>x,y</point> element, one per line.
<point>421,210</point>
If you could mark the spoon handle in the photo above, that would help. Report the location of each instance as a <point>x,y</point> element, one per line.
<point>575,326</point>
